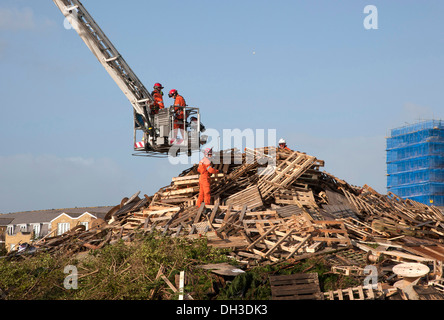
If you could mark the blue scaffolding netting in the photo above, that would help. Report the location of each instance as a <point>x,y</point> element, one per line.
<point>415,162</point>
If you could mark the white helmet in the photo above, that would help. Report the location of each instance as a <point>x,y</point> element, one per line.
<point>281,141</point>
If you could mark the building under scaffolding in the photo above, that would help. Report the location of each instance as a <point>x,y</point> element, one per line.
<point>415,162</point>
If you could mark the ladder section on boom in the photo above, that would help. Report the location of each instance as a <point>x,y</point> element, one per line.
<point>157,131</point>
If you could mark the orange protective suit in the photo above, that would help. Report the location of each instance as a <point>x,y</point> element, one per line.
<point>179,102</point>
<point>205,170</point>
<point>158,101</point>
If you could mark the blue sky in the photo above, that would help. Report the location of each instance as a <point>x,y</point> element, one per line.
<point>308,69</point>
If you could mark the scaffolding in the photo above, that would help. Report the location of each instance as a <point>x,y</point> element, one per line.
<point>415,162</point>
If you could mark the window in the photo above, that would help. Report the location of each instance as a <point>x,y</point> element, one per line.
<point>85,223</point>
<point>62,227</point>
<point>36,230</point>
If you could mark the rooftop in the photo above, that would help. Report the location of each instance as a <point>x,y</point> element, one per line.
<point>48,215</point>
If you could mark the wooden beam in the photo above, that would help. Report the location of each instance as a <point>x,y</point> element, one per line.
<point>261,237</point>
<point>270,251</point>
<point>295,249</point>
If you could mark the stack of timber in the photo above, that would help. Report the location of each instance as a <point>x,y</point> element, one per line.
<point>271,206</point>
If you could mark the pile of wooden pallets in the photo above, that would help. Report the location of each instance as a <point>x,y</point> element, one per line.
<point>285,211</point>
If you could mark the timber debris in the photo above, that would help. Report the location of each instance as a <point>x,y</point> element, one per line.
<point>286,212</point>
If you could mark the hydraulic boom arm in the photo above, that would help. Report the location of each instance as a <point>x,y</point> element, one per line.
<point>108,56</point>
<point>163,132</point>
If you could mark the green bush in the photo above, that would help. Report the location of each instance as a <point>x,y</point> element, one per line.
<point>118,271</point>
<point>128,271</point>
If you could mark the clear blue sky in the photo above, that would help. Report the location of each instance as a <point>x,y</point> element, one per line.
<point>306,68</point>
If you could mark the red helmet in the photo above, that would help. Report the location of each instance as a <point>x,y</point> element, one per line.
<point>158,85</point>
<point>172,92</point>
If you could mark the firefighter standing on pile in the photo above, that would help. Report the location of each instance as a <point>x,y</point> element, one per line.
<point>283,145</point>
<point>205,170</point>
<point>158,98</point>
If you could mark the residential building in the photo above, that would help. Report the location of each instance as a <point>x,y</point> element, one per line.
<point>21,227</point>
<point>4,222</point>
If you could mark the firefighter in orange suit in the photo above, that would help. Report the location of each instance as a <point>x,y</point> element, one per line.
<point>179,101</point>
<point>283,145</point>
<point>158,98</point>
<point>205,170</point>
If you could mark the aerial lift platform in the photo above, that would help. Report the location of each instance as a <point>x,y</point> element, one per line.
<point>154,133</point>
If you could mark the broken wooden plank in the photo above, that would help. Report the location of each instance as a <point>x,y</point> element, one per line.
<point>261,237</point>
<point>199,212</point>
<point>268,253</point>
<point>298,246</point>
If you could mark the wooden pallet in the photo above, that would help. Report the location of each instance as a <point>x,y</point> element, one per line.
<point>232,221</point>
<point>331,232</point>
<point>348,270</point>
<point>276,245</point>
<point>289,210</point>
<point>284,174</point>
<point>352,256</point>
<point>360,206</point>
<point>301,198</point>
<point>428,293</point>
<point>356,293</point>
<point>299,286</point>
<point>339,211</point>
<point>435,252</point>
<point>284,196</point>
<point>249,196</point>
